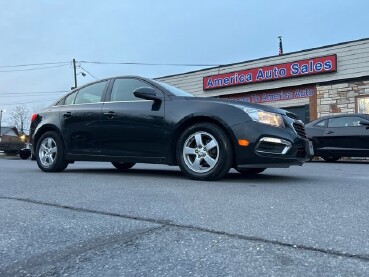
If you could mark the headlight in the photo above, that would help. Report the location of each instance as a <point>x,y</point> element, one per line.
<point>264,117</point>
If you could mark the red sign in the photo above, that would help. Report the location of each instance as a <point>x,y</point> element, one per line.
<point>300,68</point>
<point>274,95</point>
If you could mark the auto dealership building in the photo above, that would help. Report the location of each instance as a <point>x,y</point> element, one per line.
<point>312,83</point>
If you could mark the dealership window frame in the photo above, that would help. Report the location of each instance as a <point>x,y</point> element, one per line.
<point>362,104</point>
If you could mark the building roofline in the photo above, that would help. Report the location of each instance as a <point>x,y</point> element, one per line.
<point>265,58</point>
<point>5,129</point>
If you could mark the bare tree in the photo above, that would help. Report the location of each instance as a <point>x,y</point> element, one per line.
<point>20,117</point>
<point>37,108</point>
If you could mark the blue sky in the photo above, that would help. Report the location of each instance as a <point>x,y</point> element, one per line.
<point>161,31</point>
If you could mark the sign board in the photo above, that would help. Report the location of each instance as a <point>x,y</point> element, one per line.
<point>318,65</point>
<point>274,95</point>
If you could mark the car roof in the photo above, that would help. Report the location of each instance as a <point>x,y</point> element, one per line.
<point>337,116</point>
<point>110,78</point>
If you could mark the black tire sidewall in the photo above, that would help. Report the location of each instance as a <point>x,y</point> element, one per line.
<point>251,171</point>
<point>59,163</point>
<point>24,155</point>
<point>331,158</point>
<point>123,165</point>
<point>225,152</point>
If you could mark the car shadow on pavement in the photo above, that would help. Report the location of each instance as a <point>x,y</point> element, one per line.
<point>342,162</point>
<point>231,177</point>
<point>129,172</point>
<point>266,177</point>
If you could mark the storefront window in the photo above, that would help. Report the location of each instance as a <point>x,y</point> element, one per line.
<point>363,104</point>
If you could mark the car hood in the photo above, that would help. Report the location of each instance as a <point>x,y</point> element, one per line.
<point>239,104</point>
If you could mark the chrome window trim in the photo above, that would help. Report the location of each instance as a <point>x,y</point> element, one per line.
<point>133,101</point>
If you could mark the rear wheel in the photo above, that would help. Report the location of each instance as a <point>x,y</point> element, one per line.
<point>123,166</point>
<point>250,171</point>
<point>204,152</point>
<point>50,153</point>
<point>331,159</point>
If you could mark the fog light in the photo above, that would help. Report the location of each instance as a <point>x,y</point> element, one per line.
<point>273,146</point>
<point>273,140</point>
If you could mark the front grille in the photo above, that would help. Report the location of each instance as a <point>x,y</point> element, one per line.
<point>292,115</point>
<point>300,129</point>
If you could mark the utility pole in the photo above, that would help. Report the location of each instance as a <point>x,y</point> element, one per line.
<point>1,117</point>
<point>75,74</point>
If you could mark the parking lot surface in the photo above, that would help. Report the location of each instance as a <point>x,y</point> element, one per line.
<point>153,221</point>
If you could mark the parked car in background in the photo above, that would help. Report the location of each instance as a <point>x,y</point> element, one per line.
<point>128,120</point>
<point>336,136</point>
<point>10,140</point>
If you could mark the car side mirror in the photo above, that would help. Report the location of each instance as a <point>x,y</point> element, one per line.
<point>364,123</point>
<point>146,93</point>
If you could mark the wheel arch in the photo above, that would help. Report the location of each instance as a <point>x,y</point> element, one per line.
<point>200,119</point>
<point>42,130</point>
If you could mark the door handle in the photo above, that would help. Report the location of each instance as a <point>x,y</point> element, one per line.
<point>329,132</point>
<point>109,114</point>
<point>67,115</point>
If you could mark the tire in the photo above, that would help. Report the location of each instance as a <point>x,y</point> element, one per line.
<point>204,152</point>
<point>331,159</point>
<point>24,154</point>
<point>250,171</point>
<point>123,166</point>
<point>50,153</point>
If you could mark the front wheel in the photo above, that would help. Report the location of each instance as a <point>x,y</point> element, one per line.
<point>204,152</point>
<point>123,166</point>
<point>250,171</point>
<point>50,153</point>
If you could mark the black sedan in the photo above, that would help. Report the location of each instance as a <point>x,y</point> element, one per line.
<point>345,135</point>
<point>128,120</point>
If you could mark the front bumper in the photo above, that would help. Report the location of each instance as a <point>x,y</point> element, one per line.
<point>270,146</point>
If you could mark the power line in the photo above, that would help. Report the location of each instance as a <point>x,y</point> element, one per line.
<point>32,93</point>
<point>150,64</point>
<point>88,73</point>
<point>33,64</point>
<point>15,104</point>
<point>37,68</point>
<point>60,64</point>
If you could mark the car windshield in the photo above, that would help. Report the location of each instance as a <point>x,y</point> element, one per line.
<point>174,90</point>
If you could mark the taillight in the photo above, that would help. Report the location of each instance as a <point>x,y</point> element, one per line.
<point>33,117</point>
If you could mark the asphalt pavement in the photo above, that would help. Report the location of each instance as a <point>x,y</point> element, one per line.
<point>92,220</point>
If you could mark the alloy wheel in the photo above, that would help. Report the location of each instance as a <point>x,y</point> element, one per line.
<point>201,152</point>
<point>47,152</point>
